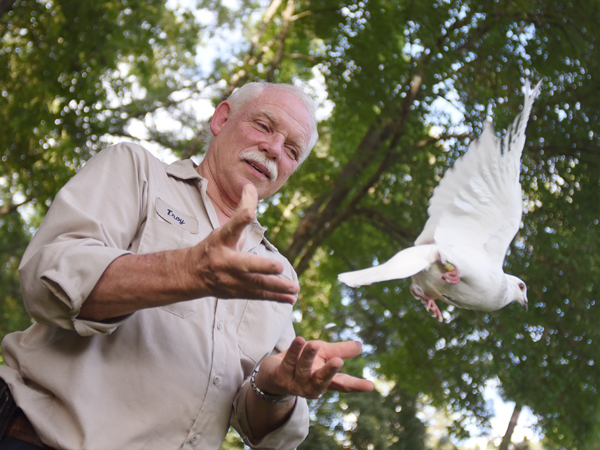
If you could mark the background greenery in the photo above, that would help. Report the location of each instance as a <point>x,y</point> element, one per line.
<point>404,86</point>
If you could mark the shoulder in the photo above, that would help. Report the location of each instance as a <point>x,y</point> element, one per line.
<point>124,152</point>
<point>123,159</point>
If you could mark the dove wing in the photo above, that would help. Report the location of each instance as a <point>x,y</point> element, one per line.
<point>403,264</point>
<point>479,201</point>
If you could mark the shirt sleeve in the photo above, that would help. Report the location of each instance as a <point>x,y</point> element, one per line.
<point>292,433</point>
<point>91,222</point>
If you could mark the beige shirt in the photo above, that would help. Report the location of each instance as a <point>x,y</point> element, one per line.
<point>164,378</point>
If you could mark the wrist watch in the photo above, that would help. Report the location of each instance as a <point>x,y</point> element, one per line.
<point>276,399</point>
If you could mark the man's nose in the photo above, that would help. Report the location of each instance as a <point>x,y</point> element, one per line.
<point>273,146</point>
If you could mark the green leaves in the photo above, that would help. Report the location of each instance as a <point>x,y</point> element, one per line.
<point>408,86</point>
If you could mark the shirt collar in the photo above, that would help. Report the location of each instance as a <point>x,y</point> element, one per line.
<point>186,170</point>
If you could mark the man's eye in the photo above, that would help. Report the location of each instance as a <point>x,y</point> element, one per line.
<point>263,126</point>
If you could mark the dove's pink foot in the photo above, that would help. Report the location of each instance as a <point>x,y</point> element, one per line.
<point>452,276</point>
<point>429,303</point>
<point>432,307</point>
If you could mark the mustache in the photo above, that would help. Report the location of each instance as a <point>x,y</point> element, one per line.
<point>259,157</point>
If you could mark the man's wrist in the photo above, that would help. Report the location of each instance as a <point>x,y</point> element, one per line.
<point>270,398</point>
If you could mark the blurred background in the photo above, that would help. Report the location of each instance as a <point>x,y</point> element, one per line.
<point>403,86</point>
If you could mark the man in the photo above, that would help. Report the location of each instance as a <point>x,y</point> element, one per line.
<point>163,314</point>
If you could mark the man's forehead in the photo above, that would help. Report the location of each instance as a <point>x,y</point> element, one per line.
<point>273,98</point>
<point>278,109</point>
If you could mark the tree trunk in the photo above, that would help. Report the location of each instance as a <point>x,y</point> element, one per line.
<point>511,427</point>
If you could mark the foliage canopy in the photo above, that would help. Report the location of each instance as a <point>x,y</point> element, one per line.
<point>408,85</point>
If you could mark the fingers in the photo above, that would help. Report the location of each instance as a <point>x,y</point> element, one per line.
<point>258,275</point>
<point>304,364</point>
<point>293,355</point>
<point>344,350</point>
<point>323,377</point>
<point>310,379</point>
<point>330,356</point>
<point>248,263</point>
<point>225,271</point>
<point>345,383</point>
<point>258,287</point>
<point>304,370</point>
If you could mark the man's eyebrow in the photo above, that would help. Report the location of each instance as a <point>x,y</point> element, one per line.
<point>275,123</point>
<point>268,115</point>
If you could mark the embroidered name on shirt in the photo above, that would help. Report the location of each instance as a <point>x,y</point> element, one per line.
<point>177,218</point>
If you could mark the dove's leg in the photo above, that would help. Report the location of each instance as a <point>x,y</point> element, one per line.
<point>429,303</point>
<point>451,276</point>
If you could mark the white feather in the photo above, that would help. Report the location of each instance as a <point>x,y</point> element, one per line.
<point>474,214</point>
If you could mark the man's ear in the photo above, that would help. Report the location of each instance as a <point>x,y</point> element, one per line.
<point>220,116</point>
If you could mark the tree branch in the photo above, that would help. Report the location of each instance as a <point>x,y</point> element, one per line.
<point>382,222</point>
<point>511,427</point>
<point>310,12</point>
<point>7,209</point>
<point>323,217</point>
<point>281,37</point>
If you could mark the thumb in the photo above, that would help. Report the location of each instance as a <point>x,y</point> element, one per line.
<point>249,199</point>
<point>234,231</point>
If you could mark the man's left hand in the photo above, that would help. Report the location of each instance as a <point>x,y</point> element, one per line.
<point>309,368</point>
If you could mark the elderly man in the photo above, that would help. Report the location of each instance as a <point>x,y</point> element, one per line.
<point>163,314</point>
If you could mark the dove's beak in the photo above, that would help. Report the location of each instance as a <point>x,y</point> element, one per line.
<point>523,300</point>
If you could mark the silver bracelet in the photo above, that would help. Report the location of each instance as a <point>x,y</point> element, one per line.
<point>276,399</point>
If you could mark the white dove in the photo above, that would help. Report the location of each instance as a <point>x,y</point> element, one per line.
<point>474,214</point>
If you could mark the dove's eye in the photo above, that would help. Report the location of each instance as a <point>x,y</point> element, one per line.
<point>522,286</point>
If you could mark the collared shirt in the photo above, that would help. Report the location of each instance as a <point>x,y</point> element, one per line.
<point>164,378</point>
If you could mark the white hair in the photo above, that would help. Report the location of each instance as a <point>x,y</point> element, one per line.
<point>248,92</point>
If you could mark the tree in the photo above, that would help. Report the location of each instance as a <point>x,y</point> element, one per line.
<point>409,85</point>
<point>76,72</point>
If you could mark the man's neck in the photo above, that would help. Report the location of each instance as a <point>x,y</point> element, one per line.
<point>224,208</point>
<point>221,215</point>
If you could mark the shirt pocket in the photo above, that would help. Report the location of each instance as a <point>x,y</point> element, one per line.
<point>261,328</point>
<point>158,236</point>
<point>182,309</point>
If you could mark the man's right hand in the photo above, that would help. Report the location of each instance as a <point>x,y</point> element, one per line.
<point>215,267</point>
<point>221,269</point>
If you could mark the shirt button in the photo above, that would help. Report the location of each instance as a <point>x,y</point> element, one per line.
<point>220,326</point>
<point>194,439</point>
<point>216,381</point>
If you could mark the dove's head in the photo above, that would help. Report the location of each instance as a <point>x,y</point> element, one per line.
<point>517,291</point>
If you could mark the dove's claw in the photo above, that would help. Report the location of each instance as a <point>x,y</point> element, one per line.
<point>452,276</point>
<point>429,303</point>
<point>432,307</point>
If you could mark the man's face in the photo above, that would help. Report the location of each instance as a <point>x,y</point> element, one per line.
<point>261,143</point>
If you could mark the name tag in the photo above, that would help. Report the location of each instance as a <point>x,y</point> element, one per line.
<point>177,218</point>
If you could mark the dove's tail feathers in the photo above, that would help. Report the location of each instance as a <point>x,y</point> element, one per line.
<point>404,264</point>
<point>504,163</point>
<point>510,148</point>
<point>514,141</point>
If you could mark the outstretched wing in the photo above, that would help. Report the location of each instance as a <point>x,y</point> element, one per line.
<point>479,200</point>
<point>403,264</point>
